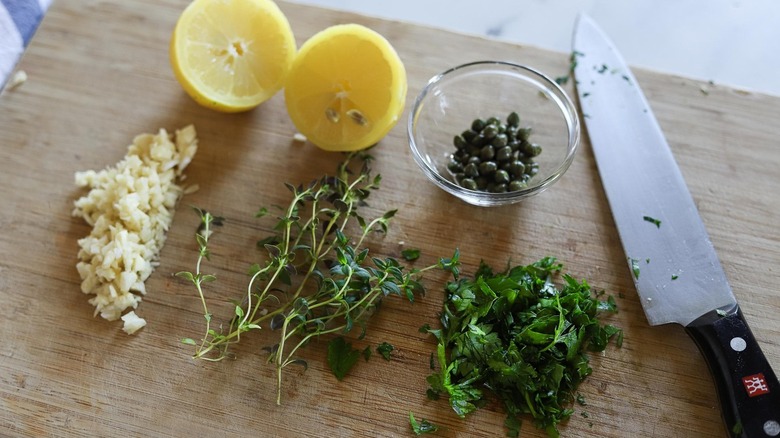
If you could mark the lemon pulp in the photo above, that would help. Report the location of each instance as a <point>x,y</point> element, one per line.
<point>232,55</point>
<point>346,88</point>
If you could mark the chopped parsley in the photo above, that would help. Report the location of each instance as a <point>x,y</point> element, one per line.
<point>422,426</point>
<point>341,357</point>
<point>652,220</point>
<point>410,254</point>
<point>635,267</point>
<point>517,334</point>
<point>384,349</point>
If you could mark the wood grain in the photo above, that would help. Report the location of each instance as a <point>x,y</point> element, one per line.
<point>99,74</point>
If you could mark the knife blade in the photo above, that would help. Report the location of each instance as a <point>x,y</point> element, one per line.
<point>676,272</point>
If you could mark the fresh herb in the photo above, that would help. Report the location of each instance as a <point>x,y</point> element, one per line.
<point>384,349</point>
<point>635,267</point>
<point>603,68</point>
<point>341,357</point>
<point>675,277</point>
<point>367,353</point>
<point>653,221</point>
<point>563,80</point>
<point>411,254</point>
<point>314,278</point>
<point>520,336</point>
<point>513,425</point>
<point>421,427</point>
<point>720,312</point>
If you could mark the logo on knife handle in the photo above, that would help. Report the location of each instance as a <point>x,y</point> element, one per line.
<point>755,385</point>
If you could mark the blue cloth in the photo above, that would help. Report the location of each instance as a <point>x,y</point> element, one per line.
<point>18,21</point>
<point>26,15</point>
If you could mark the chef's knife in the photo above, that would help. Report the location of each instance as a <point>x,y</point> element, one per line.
<point>676,272</point>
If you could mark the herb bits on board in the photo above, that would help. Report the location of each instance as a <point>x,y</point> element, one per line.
<point>494,156</point>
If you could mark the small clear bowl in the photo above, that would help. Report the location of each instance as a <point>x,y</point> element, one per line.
<point>452,100</point>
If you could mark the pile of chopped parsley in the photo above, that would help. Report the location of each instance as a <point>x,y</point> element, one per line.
<point>517,335</point>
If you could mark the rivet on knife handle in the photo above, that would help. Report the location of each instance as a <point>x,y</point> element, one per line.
<point>747,387</point>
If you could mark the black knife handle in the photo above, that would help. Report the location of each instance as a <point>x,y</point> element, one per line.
<point>747,387</point>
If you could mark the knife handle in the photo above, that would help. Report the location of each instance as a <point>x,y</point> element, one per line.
<point>747,386</point>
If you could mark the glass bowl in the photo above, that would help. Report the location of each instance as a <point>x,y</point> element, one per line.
<point>452,100</point>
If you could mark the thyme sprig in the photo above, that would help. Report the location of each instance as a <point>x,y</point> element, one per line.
<point>316,278</point>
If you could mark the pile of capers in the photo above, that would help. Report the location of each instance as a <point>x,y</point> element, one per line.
<point>494,156</point>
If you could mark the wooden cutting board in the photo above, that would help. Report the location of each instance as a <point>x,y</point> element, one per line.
<point>99,74</point>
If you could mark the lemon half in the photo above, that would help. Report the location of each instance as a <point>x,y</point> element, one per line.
<point>346,88</point>
<point>232,55</point>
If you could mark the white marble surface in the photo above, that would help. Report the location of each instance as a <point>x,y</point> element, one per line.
<point>729,42</point>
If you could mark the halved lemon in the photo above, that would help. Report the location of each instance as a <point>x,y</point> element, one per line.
<point>346,88</point>
<point>232,55</point>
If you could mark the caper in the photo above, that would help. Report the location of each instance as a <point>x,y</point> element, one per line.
<point>459,142</point>
<point>504,154</point>
<point>494,156</point>
<point>469,183</point>
<point>517,168</point>
<point>478,140</point>
<point>523,133</point>
<point>499,188</point>
<point>471,170</point>
<point>468,135</point>
<point>490,131</point>
<point>487,167</point>
<point>487,153</point>
<point>501,176</point>
<point>499,141</point>
<point>516,185</point>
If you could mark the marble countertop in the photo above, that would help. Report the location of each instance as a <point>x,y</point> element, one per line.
<point>728,42</point>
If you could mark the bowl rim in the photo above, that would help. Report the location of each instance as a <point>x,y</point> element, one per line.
<point>476,197</point>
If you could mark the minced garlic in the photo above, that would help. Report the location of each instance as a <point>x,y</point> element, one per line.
<point>130,207</point>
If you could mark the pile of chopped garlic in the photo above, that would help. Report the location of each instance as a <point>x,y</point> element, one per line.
<point>130,207</point>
